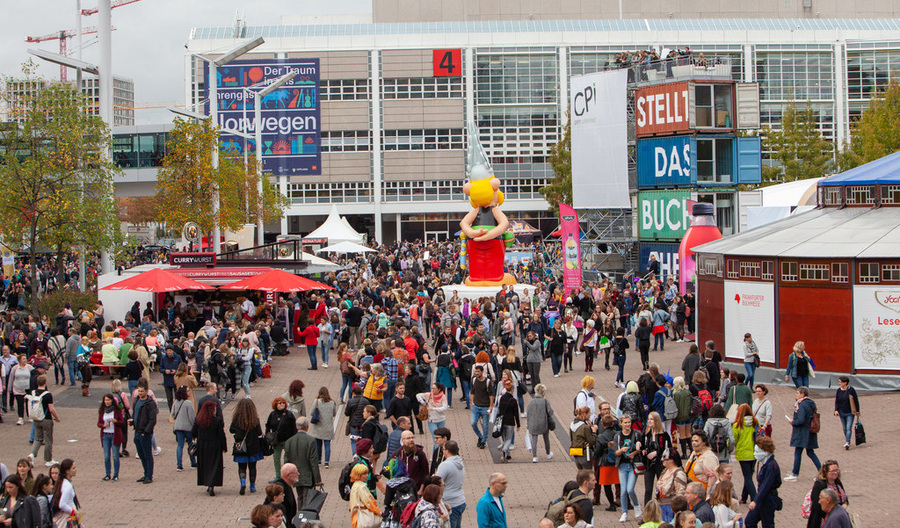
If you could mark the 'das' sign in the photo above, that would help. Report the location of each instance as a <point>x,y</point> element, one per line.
<point>661,109</point>
<point>665,162</point>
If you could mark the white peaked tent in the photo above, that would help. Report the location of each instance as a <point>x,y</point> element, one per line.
<point>336,229</point>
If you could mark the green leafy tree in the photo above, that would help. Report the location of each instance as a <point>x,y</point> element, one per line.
<point>186,181</point>
<point>57,184</point>
<point>799,148</point>
<point>877,132</point>
<point>560,188</point>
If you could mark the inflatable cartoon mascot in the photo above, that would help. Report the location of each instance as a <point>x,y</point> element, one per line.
<point>484,229</point>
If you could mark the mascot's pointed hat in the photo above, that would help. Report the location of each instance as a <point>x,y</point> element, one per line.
<point>482,184</point>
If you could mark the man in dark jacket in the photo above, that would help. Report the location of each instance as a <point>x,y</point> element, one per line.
<point>582,496</point>
<point>695,494</point>
<point>441,435</point>
<point>300,450</point>
<point>145,412</point>
<point>836,516</point>
<point>413,457</point>
<point>289,477</point>
<point>801,436</point>
<point>168,365</point>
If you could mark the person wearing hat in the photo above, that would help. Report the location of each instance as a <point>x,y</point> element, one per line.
<point>365,452</point>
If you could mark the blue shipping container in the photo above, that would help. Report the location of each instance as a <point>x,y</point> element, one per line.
<point>666,254</point>
<point>669,162</point>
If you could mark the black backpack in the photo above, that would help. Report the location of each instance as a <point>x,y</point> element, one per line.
<point>380,439</point>
<point>718,440</point>
<point>344,483</point>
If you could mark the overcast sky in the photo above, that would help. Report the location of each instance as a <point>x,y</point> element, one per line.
<point>148,44</point>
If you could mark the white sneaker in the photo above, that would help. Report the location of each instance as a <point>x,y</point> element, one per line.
<point>523,415</point>
<point>637,516</point>
<point>790,477</point>
<point>534,460</point>
<point>555,376</point>
<point>20,421</point>
<point>51,463</point>
<point>157,451</point>
<point>30,458</point>
<point>624,517</point>
<point>136,455</point>
<point>512,447</point>
<point>324,365</point>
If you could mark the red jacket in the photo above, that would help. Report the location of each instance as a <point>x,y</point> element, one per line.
<point>119,417</point>
<point>319,312</point>
<point>310,335</point>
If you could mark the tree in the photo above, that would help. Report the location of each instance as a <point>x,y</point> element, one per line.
<point>559,190</point>
<point>57,183</point>
<point>186,180</point>
<point>877,132</point>
<point>799,148</point>
<point>136,209</point>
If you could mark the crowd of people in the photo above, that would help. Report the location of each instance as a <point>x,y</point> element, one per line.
<point>409,355</point>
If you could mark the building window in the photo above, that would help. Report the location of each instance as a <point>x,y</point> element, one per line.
<point>832,196</point>
<point>516,78</point>
<point>732,269</point>
<point>814,272</point>
<point>713,106</point>
<point>890,272</point>
<point>860,195</point>
<point>797,75</point>
<point>789,271</point>
<point>869,72</point>
<point>868,273</point>
<point>422,88</point>
<point>750,270</point>
<point>768,270</point>
<point>714,160</point>
<point>428,139</point>
<point>346,141</point>
<point>840,272</point>
<point>890,195</point>
<point>344,89</point>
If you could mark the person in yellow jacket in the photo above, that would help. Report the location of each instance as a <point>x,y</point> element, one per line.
<point>376,385</point>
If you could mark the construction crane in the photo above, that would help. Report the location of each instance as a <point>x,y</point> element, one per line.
<point>117,3</point>
<point>62,36</point>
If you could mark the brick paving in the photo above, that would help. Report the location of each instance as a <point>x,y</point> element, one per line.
<point>173,500</point>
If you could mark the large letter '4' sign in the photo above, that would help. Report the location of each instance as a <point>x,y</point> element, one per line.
<point>447,63</point>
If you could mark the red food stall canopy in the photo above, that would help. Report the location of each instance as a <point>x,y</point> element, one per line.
<point>276,280</point>
<point>157,280</point>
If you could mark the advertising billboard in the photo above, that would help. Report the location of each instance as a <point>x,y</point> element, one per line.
<point>290,115</point>
<point>663,215</point>
<point>750,307</point>
<point>876,327</point>
<point>600,140</point>
<point>571,242</point>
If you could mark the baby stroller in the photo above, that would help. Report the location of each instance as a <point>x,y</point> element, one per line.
<point>312,505</point>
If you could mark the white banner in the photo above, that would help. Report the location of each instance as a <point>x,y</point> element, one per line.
<point>750,307</point>
<point>600,140</point>
<point>876,327</point>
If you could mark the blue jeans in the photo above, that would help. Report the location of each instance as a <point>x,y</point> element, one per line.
<point>751,370</point>
<point>31,438</point>
<point>311,350</point>
<point>72,371</point>
<point>245,377</point>
<point>800,381</point>
<point>431,427</point>
<point>143,443</point>
<point>847,424</point>
<point>182,437</point>
<point>346,383</point>
<point>353,432</point>
<point>620,375</point>
<point>327,449</point>
<point>556,362</point>
<point>481,414</point>
<point>628,479</point>
<point>659,341</point>
<point>110,451</point>
<point>132,386</point>
<point>456,515</point>
<point>465,390</point>
<point>798,455</point>
<point>389,393</point>
<point>325,346</point>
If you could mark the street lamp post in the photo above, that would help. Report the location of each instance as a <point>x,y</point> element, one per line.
<point>214,115</point>
<point>257,119</point>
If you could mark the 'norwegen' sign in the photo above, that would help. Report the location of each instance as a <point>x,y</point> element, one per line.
<point>290,115</point>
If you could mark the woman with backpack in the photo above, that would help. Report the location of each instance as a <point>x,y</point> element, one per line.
<point>619,345</point>
<point>631,403</point>
<point>321,423</point>
<point>718,429</point>
<point>657,443</point>
<point>247,449</point>
<point>582,437</point>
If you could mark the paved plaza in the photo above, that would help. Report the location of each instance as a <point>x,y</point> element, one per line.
<point>174,499</point>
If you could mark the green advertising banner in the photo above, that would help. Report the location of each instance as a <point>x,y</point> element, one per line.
<point>663,215</point>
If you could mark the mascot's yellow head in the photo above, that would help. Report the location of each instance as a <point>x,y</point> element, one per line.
<point>483,192</point>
